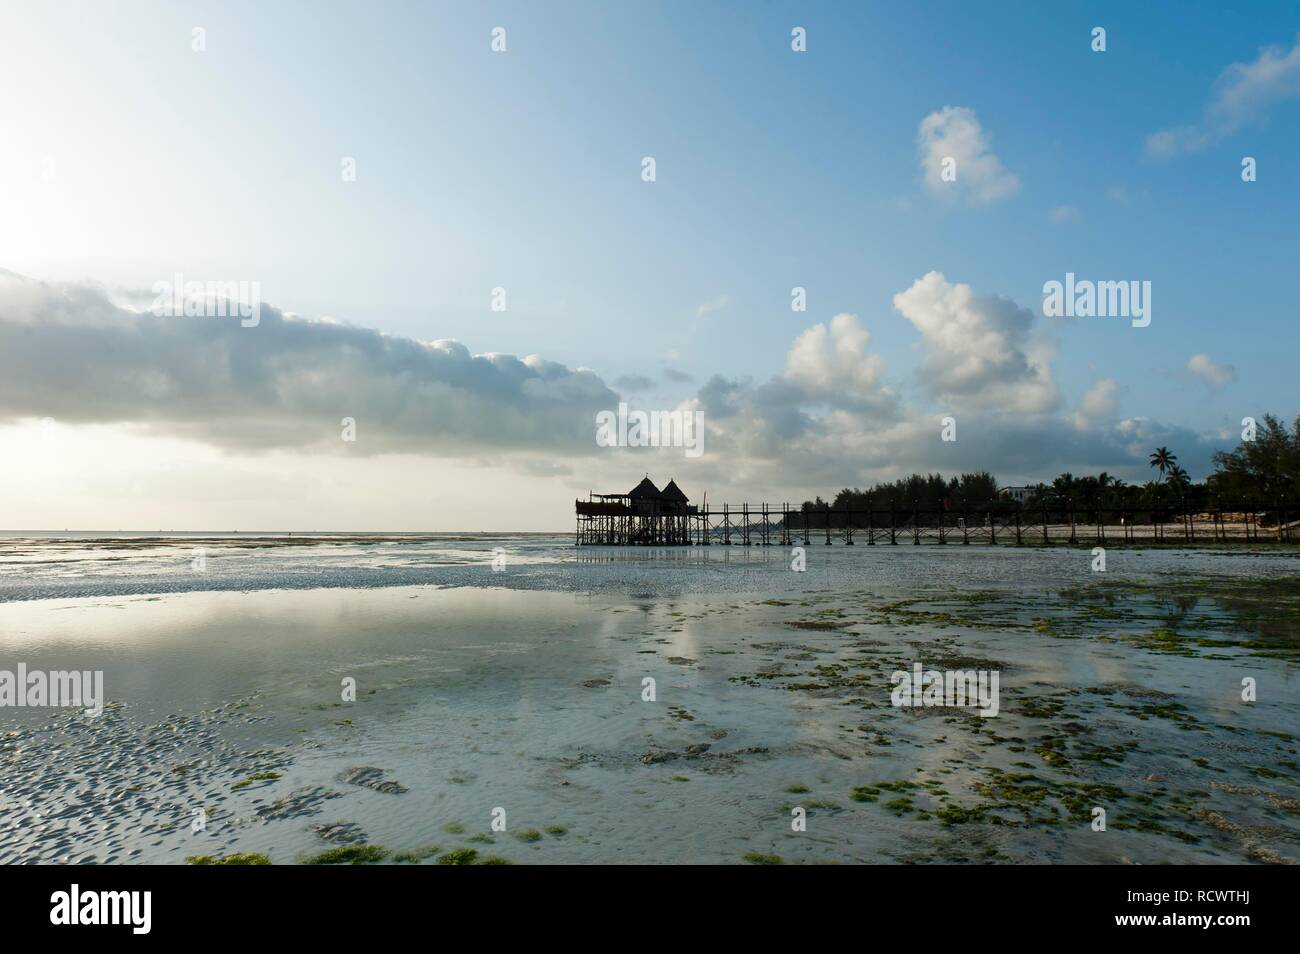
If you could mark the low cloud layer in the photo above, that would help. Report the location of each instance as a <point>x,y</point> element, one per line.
<point>70,353</point>
<point>833,418</point>
<point>835,414</point>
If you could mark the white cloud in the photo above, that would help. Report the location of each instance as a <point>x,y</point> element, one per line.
<point>954,132</point>
<point>715,304</point>
<point>834,365</point>
<point>978,352</point>
<point>1100,403</point>
<point>1062,213</point>
<point>1242,95</point>
<point>1207,370</point>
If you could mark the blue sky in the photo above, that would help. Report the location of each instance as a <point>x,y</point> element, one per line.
<point>774,169</point>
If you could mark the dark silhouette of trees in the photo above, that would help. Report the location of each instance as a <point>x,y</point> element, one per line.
<point>1266,469</point>
<point>1264,472</point>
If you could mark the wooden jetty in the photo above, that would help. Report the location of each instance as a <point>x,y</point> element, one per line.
<point>647,516</point>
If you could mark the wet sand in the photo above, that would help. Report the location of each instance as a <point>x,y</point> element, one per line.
<point>522,690</point>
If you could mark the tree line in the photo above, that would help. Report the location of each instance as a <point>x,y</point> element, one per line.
<point>1263,472</point>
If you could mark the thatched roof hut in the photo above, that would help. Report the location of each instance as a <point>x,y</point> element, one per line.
<point>674,493</point>
<point>645,515</point>
<point>646,490</point>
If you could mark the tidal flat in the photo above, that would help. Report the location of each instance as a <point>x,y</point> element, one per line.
<point>520,696</point>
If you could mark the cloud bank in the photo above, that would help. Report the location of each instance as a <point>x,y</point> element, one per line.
<point>835,413</point>
<point>73,353</point>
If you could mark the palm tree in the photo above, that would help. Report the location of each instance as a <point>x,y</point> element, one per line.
<point>1163,460</point>
<point>1104,481</point>
<point>1178,477</point>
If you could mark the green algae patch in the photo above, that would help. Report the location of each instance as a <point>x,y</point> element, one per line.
<point>245,858</point>
<point>1040,707</point>
<point>459,856</point>
<point>256,777</point>
<point>413,856</point>
<point>899,806</point>
<point>1078,748</point>
<point>759,858</point>
<point>950,815</point>
<point>348,855</point>
<point>816,624</point>
<point>1259,615</point>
